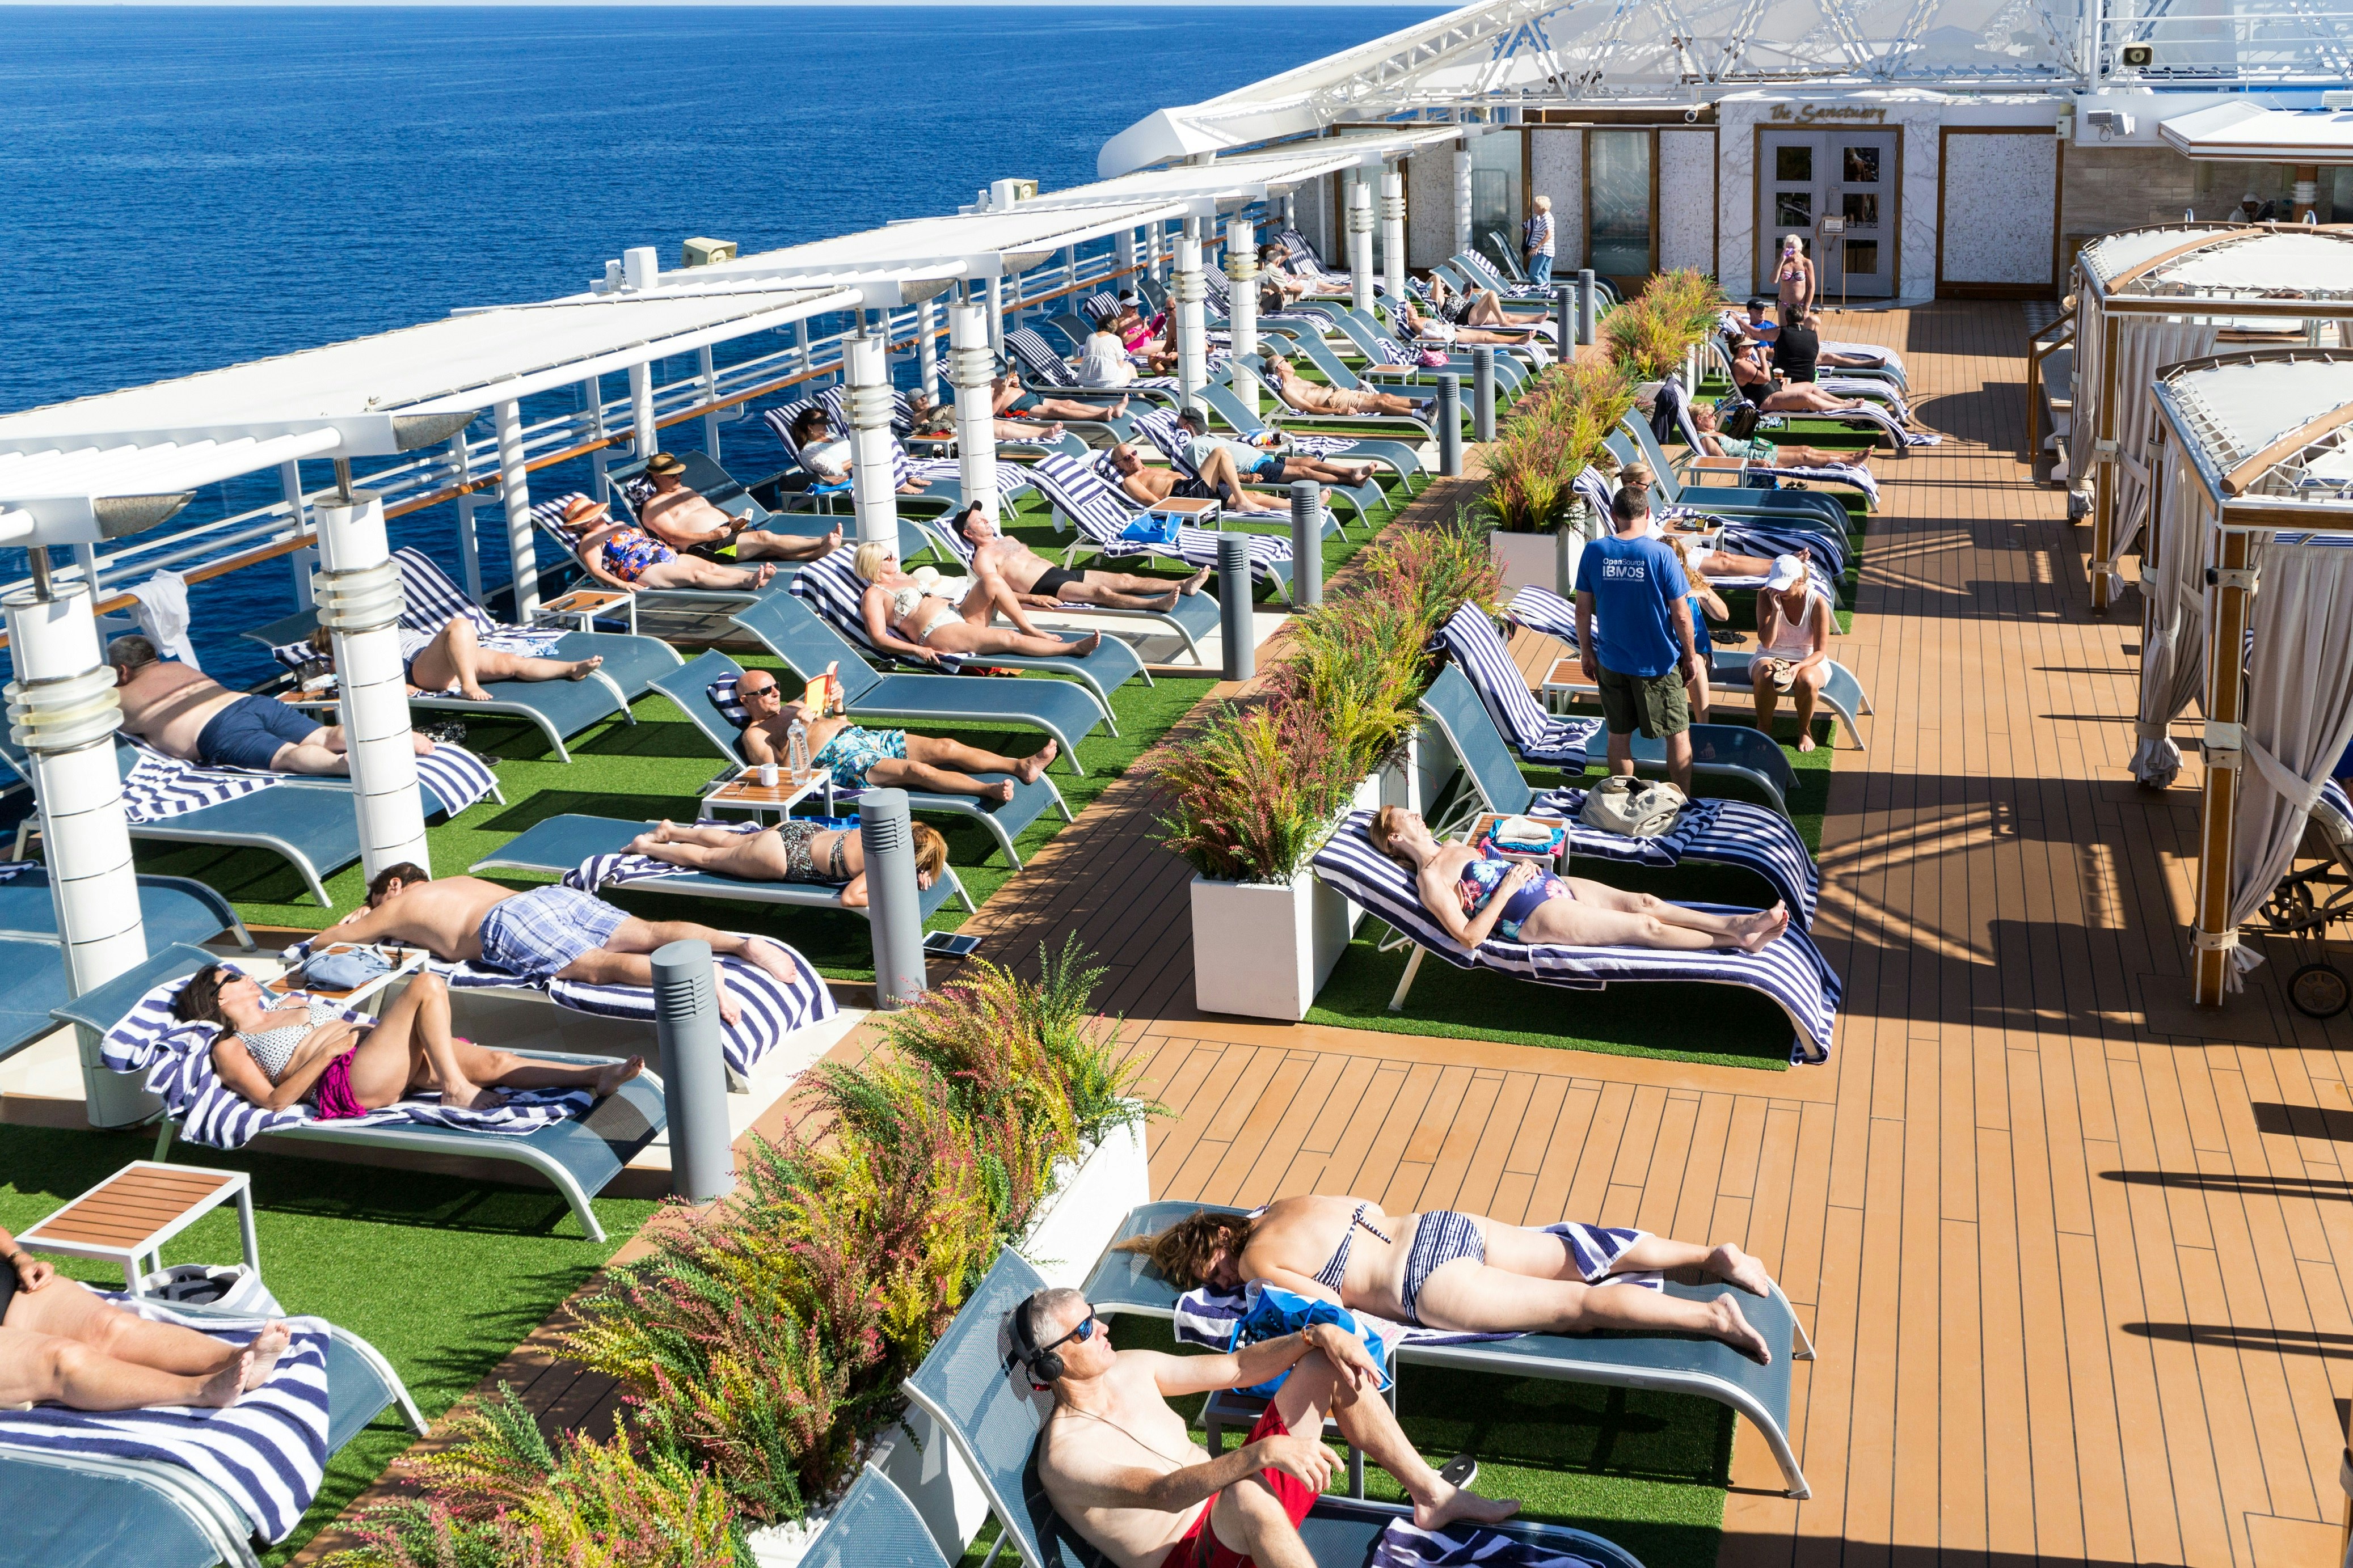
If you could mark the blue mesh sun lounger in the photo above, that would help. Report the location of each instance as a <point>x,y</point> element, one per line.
<point>992,1424</point>
<point>1402,457</point>
<point>689,687</point>
<point>578,1156</point>
<point>873,1526</point>
<point>1127,1282</point>
<point>32,954</point>
<point>1632,442</point>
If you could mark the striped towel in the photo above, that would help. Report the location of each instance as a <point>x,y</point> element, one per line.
<point>1403,1545</point>
<point>160,787</point>
<point>266,1452</point>
<point>1886,421</point>
<point>1724,832</point>
<point>174,1060</point>
<point>621,868</point>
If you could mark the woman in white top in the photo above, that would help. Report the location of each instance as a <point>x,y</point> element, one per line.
<point>1104,362</point>
<point>1793,645</point>
<point>902,615</point>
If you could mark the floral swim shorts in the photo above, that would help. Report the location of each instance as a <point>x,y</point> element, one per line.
<point>854,749</point>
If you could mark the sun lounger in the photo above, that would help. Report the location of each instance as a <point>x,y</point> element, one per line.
<point>1632,442</point>
<point>591,853</point>
<point>1160,428</point>
<point>1044,371</point>
<point>873,1526</point>
<point>697,690</point>
<point>1387,358</point>
<point>559,708</point>
<point>1399,458</point>
<point>1542,610</point>
<point>1127,1282</point>
<point>1791,972</point>
<point>1412,428</point>
<point>1081,497</point>
<point>992,1424</point>
<point>579,1155</point>
<point>834,590</point>
<point>1676,408</point>
<point>176,1488</point>
<point>942,477</point>
<point>1719,832</point>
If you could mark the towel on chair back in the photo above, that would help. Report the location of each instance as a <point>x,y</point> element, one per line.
<point>266,1452</point>
<point>1403,1545</point>
<point>159,787</point>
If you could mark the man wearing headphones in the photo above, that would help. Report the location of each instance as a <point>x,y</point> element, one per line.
<point>1124,1472</point>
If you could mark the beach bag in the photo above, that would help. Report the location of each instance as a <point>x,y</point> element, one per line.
<point>1633,808</point>
<point>1737,418</point>
<point>1157,530</point>
<point>1430,358</point>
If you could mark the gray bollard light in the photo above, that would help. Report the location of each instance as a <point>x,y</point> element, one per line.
<point>694,1073</point>
<point>1482,392</point>
<point>1588,306</point>
<point>1565,318</point>
<point>894,906</point>
<point>1307,543</point>
<point>1450,424</point>
<point>1236,631</point>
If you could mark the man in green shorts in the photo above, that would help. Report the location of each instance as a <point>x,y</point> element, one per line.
<point>1634,636</point>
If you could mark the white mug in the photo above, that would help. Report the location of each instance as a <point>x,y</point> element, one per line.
<point>767,775</point>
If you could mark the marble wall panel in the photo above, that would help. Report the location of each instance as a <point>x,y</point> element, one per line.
<point>1557,159</point>
<point>2001,198</point>
<point>1687,200</point>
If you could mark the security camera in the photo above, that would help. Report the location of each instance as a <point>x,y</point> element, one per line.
<point>1690,116</point>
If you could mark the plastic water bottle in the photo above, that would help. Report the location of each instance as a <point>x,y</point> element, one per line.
<point>797,752</point>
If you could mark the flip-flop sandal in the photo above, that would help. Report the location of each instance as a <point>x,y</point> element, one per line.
<point>1460,1470</point>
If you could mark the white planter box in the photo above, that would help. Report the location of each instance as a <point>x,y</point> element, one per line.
<point>1526,558</point>
<point>1262,950</point>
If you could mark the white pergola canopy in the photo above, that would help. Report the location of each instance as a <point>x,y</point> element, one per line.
<point>2258,133</point>
<point>2274,265</point>
<point>2272,425</point>
<point>98,467</point>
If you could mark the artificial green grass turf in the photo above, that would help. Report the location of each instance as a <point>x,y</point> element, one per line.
<point>444,1276</point>
<point>1646,1470</point>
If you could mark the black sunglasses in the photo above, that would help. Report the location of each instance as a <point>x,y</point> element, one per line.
<point>1083,1334</point>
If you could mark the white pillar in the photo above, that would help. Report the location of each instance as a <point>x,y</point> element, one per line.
<point>927,347</point>
<point>996,313</point>
<point>641,411</point>
<point>872,484</point>
<point>1155,261</point>
<point>1360,244</point>
<point>1185,294</point>
<point>469,547</point>
<point>710,395</point>
<point>971,366</point>
<point>1393,228</point>
<point>515,497</point>
<point>359,604</point>
<point>1241,317</point>
<point>1461,197</point>
<point>1128,262</point>
<point>1290,209</point>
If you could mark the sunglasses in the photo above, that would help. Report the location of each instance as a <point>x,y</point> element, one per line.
<point>1082,1334</point>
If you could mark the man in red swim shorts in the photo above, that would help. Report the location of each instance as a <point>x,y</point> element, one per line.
<point>1122,1471</point>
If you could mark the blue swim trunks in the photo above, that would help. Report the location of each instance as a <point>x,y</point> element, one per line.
<point>853,750</point>
<point>249,733</point>
<point>539,933</point>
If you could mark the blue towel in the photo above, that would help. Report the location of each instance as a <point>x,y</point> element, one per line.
<point>1402,1545</point>
<point>1261,1312</point>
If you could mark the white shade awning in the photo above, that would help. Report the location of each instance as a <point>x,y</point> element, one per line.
<point>2254,133</point>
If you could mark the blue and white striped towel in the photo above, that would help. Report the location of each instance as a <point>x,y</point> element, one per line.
<point>266,1452</point>
<point>159,787</point>
<point>1403,1545</point>
<point>620,867</point>
<point>1725,832</point>
<point>174,1060</point>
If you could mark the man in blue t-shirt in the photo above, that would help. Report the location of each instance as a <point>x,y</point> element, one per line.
<point>1642,651</point>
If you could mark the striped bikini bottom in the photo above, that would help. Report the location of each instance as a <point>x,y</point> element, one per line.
<point>1440,1237</point>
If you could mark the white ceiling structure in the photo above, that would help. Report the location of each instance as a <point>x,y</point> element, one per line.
<point>1246,178</point>
<point>1515,54</point>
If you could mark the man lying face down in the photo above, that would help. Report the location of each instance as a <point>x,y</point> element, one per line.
<point>1124,1473</point>
<point>184,714</point>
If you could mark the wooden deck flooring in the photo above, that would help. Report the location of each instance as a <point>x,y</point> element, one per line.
<point>2070,1254</point>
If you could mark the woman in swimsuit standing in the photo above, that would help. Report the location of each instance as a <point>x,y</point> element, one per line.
<point>902,617</point>
<point>787,851</point>
<point>1463,1272</point>
<point>1795,277</point>
<point>1474,898</point>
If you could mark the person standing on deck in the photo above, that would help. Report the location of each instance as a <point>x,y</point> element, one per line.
<point>1536,239</point>
<point>1645,654</point>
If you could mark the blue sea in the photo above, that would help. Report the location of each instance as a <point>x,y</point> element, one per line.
<point>191,187</point>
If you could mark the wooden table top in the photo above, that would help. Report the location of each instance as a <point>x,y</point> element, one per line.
<point>131,1205</point>
<point>585,599</point>
<point>749,791</point>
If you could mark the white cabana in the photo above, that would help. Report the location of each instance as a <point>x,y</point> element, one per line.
<point>2254,482</point>
<point>2151,297</point>
<point>2252,131</point>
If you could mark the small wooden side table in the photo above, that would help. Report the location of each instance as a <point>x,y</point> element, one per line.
<point>406,961</point>
<point>744,791</point>
<point>585,605</point>
<point>128,1216</point>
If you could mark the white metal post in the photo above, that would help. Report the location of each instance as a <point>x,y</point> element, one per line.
<point>1289,210</point>
<point>873,484</point>
<point>592,395</point>
<point>641,410</point>
<point>971,366</point>
<point>514,498</point>
<point>1461,197</point>
<point>1393,228</point>
<point>1187,292</point>
<point>359,604</point>
<point>1360,244</point>
<point>710,395</point>
<point>1241,310</point>
<point>1156,260</point>
<point>1127,254</point>
<point>927,348</point>
<point>997,312</point>
<point>289,485</point>
<point>469,548</point>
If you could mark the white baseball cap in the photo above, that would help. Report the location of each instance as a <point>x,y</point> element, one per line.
<point>1787,571</point>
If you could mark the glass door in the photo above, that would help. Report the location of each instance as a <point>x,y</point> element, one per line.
<point>1618,211</point>
<point>1789,197</point>
<point>1860,263</point>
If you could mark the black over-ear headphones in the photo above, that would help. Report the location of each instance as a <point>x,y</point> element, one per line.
<point>1046,1365</point>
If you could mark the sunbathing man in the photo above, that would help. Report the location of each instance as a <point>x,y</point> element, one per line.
<point>544,934</point>
<point>688,523</point>
<point>791,850</point>
<point>901,613</point>
<point>1314,397</point>
<point>1463,1272</point>
<point>185,713</point>
<point>624,556</point>
<point>1149,486</point>
<point>1757,450</point>
<point>306,1052</point>
<point>1123,1470</point>
<point>1415,324</point>
<point>453,658</point>
<point>62,1343</point>
<point>859,757</point>
<point>1006,390</point>
<point>1038,582</point>
<point>1264,468</point>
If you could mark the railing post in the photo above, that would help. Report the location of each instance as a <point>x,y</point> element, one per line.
<point>360,604</point>
<point>515,499</point>
<point>694,1071</point>
<point>1307,543</point>
<point>1450,424</point>
<point>971,366</point>
<point>469,546</point>
<point>299,563</point>
<point>894,907</point>
<point>1235,627</point>
<point>710,396</point>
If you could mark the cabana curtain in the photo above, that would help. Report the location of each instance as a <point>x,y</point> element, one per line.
<point>2173,639</point>
<point>2299,717</point>
<point>2143,345</point>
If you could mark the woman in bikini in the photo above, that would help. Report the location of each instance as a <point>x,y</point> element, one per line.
<point>306,1052</point>
<point>1475,897</point>
<point>1794,277</point>
<point>624,556</point>
<point>1314,397</point>
<point>1772,454</point>
<point>1756,384</point>
<point>454,657</point>
<point>1464,1272</point>
<point>788,851</point>
<point>903,616</point>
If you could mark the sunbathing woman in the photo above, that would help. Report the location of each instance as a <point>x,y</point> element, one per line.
<point>1474,898</point>
<point>903,616</point>
<point>1448,1270</point>
<point>62,1343</point>
<point>1006,390</point>
<point>453,657</point>
<point>1772,454</point>
<point>1756,384</point>
<point>1417,325</point>
<point>788,851</point>
<point>624,556</point>
<point>1314,397</point>
<point>277,1056</point>
<point>827,457</point>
